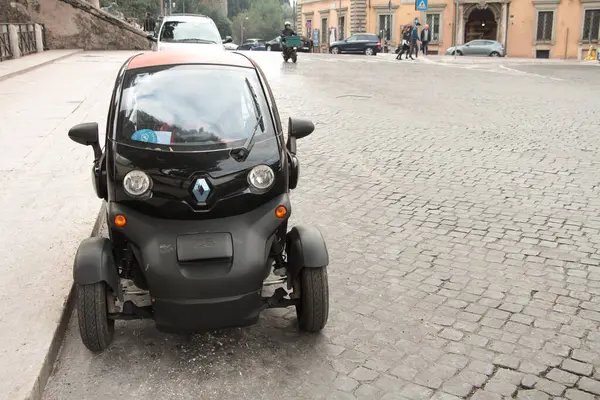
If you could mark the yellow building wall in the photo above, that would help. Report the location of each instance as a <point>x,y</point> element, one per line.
<point>521,23</point>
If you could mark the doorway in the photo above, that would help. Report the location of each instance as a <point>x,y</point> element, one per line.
<point>481,25</point>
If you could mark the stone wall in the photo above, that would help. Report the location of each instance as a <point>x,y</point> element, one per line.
<point>77,24</point>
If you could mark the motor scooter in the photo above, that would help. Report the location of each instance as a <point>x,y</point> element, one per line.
<point>290,47</point>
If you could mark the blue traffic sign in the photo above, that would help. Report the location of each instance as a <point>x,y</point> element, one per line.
<point>421,5</point>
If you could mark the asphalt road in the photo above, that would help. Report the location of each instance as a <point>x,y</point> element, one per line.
<point>460,204</point>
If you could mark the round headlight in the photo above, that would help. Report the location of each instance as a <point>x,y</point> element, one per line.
<point>136,183</point>
<point>261,178</point>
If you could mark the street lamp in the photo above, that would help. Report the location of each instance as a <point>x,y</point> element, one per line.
<point>242,29</point>
<point>455,28</point>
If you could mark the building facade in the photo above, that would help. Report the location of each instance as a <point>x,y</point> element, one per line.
<point>526,28</point>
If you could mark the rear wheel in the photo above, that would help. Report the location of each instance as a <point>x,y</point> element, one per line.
<point>313,310</point>
<point>294,57</point>
<point>95,328</point>
<point>494,54</point>
<point>335,50</point>
<point>369,51</point>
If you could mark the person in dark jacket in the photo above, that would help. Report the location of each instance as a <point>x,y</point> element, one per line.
<point>425,39</point>
<point>414,41</point>
<point>149,23</point>
<point>288,31</point>
<point>404,46</point>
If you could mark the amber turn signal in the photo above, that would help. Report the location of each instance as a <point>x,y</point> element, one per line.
<point>120,221</point>
<point>281,212</point>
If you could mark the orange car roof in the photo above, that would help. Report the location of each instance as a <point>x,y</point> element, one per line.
<point>157,58</point>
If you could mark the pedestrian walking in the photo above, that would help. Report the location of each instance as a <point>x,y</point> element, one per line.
<point>404,46</point>
<point>425,39</point>
<point>414,41</point>
<point>149,23</point>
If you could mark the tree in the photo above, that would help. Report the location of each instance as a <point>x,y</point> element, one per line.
<point>264,20</point>
<point>194,7</point>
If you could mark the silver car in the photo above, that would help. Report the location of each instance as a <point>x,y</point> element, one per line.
<point>487,48</point>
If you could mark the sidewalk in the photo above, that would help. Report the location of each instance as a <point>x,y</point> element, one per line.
<point>27,63</point>
<point>47,203</point>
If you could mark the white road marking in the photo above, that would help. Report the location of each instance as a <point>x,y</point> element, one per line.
<point>529,73</point>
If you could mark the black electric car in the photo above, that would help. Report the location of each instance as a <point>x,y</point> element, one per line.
<point>196,175</point>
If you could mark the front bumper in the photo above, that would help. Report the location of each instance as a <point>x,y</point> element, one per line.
<point>203,274</point>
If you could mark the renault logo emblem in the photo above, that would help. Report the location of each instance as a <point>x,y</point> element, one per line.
<point>201,190</point>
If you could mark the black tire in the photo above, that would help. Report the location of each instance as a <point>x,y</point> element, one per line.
<point>369,51</point>
<point>459,53</point>
<point>335,50</point>
<point>294,58</point>
<point>494,54</point>
<point>268,48</point>
<point>95,329</point>
<point>313,310</point>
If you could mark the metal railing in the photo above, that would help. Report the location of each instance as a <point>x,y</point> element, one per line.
<point>5,50</point>
<point>27,42</point>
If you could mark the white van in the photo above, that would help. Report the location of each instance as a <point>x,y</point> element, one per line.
<point>188,32</point>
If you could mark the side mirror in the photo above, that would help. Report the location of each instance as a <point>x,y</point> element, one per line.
<point>152,38</point>
<point>297,129</point>
<point>87,135</point>
<point>228,39</point>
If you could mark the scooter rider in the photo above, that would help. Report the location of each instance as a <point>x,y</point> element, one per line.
<point>287,31</point>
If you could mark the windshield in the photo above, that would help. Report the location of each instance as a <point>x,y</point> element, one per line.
<point>191,108</point>
<point>190,31</point>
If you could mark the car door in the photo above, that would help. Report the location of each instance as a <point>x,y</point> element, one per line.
<point>489,47</point>
<point>474,48</point>
<point>361,43</point>
<point>350,44</point>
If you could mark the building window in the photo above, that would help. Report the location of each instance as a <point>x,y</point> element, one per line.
<point>591,25</point>
<point>433,20</point>
<point>342,27</point>
<point>308,26</point>
<point>324,31</point>
<point>385,26</point>
<point>544,26</point>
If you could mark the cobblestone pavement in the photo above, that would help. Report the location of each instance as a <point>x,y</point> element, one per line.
<point>460,208</point>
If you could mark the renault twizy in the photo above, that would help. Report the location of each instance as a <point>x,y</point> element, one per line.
<point>196,175</point>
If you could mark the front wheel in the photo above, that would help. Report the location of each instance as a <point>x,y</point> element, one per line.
<point>294,58</point>
<point>335,50</point>
<point>369,51</point>
<point>268,48</point>
<point>313,310</point>
<point>459,53</point>
<point>95,328</point>
<point>494,54</point>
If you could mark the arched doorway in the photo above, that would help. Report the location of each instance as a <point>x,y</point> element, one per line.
<point>481,25</point>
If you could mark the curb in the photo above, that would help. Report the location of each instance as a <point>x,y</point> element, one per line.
<point>59,334</point>
<point>28,69</point>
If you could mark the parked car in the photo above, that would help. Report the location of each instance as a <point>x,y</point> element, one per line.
<point>366,43</point>
<point>488,48</point>
<point>253,45</point>
<point>275,45</point>
<point>188,32</point>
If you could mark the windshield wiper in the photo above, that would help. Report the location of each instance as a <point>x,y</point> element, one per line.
<point>241,153</point>
<point>195,41</point>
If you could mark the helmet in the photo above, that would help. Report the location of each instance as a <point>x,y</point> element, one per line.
<point>287,23</point>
